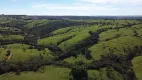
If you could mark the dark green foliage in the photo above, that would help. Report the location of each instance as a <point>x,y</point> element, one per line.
<point>131,75</point>
<point>5,42</point>
<point>79,73</point>
<point>30,39</point>
<point>18,72</point>
<point>88,55</point>
<point>45,29</point>
<point>82,47</point>
<point>136,34</point>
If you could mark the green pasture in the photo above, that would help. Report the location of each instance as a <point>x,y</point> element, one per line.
<point>137,67</point>
<point>21,53</point>
<point>50,73</point>
<point>115,46</point>
<point>11,37</point>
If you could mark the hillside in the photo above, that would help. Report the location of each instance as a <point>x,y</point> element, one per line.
<point>60,49</point>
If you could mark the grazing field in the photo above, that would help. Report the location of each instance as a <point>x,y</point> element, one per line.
<point>34,23</point>
<point>83,34</point>
<point>103,73</point>
<point>56,73</point>
<point>50,73</point>
<point>80,58</point>
<point>10,29</point>
<point>61,31</point>
<point>137,66</point>
<point>116,46</point>
<point>111,34</point>
<point>55,39</point>
<point>21,53</point>
<point>11,37</point>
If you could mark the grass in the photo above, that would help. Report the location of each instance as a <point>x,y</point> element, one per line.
<point>55,39</point>
<point>11,37</point>
<point>137,67</point>
<point>104,74</point>
<point>115,41</point>
<point>80,32</point>
<point>10,29</point>
<point>111,34</point>
<point>138,28</point>
<point>56,73</point>
<point>115,46</point>
<point>50,73</point>
<point>94,75</point>
<point>18,46</point>
<point>83,34</point>
<point>111,41</point>
<point>60,31</point>
<point>34,23</point>
<point>73,60</point>
<point>71,42</point>
<point>21,55</point>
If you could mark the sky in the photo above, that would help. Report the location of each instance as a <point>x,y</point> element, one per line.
<point>72,7</point>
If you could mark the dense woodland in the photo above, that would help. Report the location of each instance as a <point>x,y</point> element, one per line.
<point>71,47</point>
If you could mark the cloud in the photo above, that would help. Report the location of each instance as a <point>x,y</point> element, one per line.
<point>79,7</point>
<point>14,0</point>
<point>85,9</point>
<point>127,2</point>
<point>99,1</point>
<point>74,7</point>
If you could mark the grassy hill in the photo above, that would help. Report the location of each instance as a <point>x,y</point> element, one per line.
<point>21,53</point>
<point>137,64</point>
<point>11,37</point>
<point>117,46</point>
<point>56,73</point>
<point>52,49</point>
<point>50,73</point>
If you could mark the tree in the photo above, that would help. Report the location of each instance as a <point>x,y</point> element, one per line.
<point>79,73</point>
<point>88,55</point>
<point>136,34</point>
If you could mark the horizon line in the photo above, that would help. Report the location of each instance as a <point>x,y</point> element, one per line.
<point>68,15</point>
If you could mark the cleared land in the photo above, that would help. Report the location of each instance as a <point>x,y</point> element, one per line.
<point>50,73</point>
<point>137,66</point>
